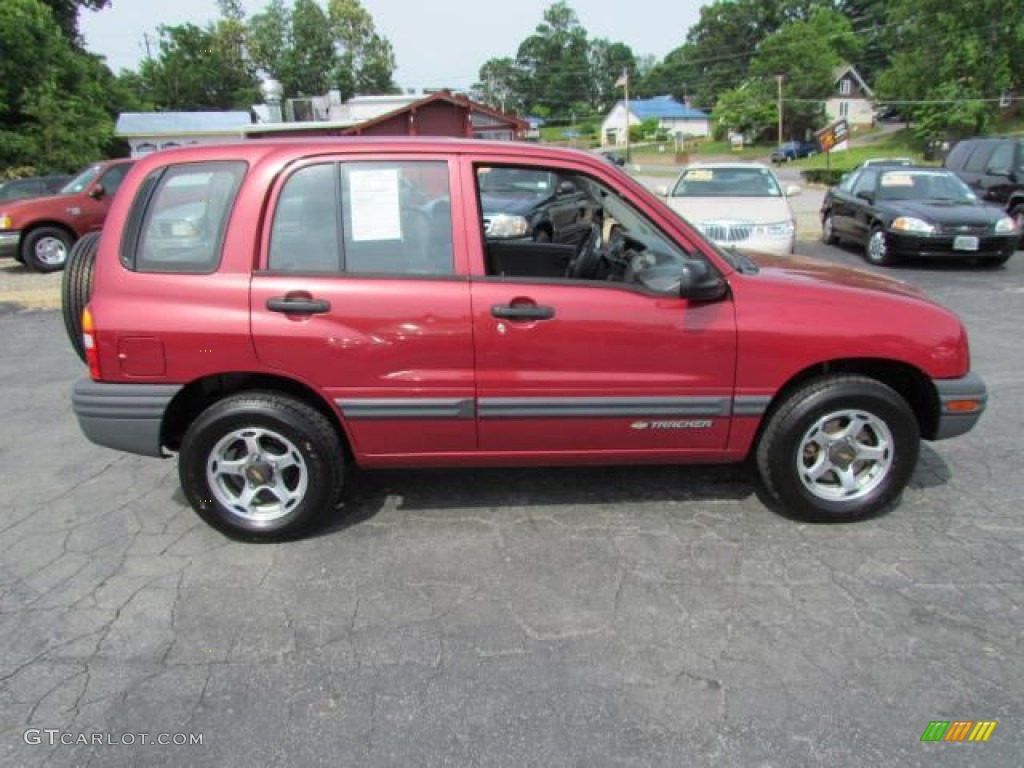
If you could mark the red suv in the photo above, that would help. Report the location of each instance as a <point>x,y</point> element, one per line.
<point>40,231</point>
<point>274,310</point>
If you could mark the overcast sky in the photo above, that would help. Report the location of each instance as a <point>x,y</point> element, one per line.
<point>437,42</point>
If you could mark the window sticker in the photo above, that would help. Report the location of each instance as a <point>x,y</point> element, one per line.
<point>376,209</point>
<point>897,180</point>
<point>700,174</point>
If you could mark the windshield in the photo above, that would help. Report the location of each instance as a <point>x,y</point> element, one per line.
<point>727,182</point>
<point>81,181</point>
<point>923,185</point>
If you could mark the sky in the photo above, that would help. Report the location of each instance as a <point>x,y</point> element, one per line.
<point>437,43</point>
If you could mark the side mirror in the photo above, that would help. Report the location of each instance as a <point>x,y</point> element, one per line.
<point>868,196</point>
<point>792,190</point>
<point>97,192</point>
<point>661,190</point>
<point>566,188</point>
<point>698,282</point>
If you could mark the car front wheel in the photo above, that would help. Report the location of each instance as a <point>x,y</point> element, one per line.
<point>261,466</point>
<point>45,249</point>
<point>839,449</point>
<point>877,249</point>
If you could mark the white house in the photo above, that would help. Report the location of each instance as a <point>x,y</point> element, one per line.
<point>678,119</point>
<point>852,99</point>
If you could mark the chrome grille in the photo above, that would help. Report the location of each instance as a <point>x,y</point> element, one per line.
<point>727,231</point>
<point>965,229</point>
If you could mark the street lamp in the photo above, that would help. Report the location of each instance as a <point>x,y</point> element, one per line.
<point>778,80</point>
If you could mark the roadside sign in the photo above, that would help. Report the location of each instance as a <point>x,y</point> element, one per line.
<point>833,135</point>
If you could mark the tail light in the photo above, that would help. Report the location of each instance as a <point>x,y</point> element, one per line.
<point>92,358</point>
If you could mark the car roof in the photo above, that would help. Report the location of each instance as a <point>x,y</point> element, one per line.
<point>727,164</point>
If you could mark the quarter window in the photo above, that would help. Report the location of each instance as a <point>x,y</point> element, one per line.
<point>978,160</point>
<point>186,219</point>
<point>866,181</point>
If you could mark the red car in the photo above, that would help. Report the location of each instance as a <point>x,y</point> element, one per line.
<point>40,231</point>
<point>274,310</point>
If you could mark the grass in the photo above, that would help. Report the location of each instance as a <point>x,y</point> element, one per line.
<point>898,144</point>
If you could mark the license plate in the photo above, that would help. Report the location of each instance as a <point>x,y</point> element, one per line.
<point>965,243</point>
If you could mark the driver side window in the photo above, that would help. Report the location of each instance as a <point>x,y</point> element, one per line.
<point>546,223</point>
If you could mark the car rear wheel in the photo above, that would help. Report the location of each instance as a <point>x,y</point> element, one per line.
<point>877,249</point>
<point>76,288</point>
<point>839,449</point>
<point>261,466</point>
<point>828,231</point>
<point>45,249</point>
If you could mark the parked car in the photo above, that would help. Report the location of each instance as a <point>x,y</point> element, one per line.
<point>545,206</point>
<point>40,231</point>
<point>889,161</point>
<point>34,186</point>
<point>994,169</point>
<point>915,211</point>
<point>736,204</point>
<point>311,313</point>
<point>794,150</point>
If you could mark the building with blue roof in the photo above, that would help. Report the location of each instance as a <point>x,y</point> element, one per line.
<point>679,120</point>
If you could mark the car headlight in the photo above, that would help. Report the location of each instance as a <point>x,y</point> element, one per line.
<point>1004,225</point>
<point>506,225</point>
<point>5,222</point>
<point>910,224</point>
<point>775,229</point>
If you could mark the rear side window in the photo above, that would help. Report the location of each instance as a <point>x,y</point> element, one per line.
<point>978,161</point>
<point>184,223</point>
<point>1002,158</point>
<point>958,155</point>
<point>369,218</point>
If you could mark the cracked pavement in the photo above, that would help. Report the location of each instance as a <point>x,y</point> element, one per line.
<point>617,616</point>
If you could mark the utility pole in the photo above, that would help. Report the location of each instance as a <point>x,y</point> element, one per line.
<point>778,80</point>
<point>625,77</point>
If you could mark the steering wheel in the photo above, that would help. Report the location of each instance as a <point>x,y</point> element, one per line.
<point>589,258</point>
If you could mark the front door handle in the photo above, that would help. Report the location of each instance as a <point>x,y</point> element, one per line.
<point>522,312</point>
<point>296,305</point>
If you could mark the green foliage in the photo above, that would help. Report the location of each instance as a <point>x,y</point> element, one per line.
<point>751,109</point>
<point>830,177</point>
<point>65,13</point>
<point>56,102</point>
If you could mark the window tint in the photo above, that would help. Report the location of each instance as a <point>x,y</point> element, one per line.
<point>396,218</point>
<point>978,160</point>
<point>958,155</point>
<point>1002,158</point>
<point>304,236</point>
<point>186,218</point>
<point>111,180</point>
<point>848,181</point>
<point>866,181</point>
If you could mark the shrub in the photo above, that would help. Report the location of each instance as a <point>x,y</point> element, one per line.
<point>827,176</point>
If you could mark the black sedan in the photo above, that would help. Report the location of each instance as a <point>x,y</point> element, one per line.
<point>895,212</point>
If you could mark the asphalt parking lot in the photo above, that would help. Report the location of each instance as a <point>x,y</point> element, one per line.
<point>642,616</point>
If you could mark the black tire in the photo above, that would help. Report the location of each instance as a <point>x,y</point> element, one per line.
<point>882,257</point>
<point>789,424</point>
<point>76,288</point>
<point>33,260</point>
<point>311,436</point>
<point>998,261</point>
<point>828,231</point>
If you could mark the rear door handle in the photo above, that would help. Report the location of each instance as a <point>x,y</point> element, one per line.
<point>294,305</point>
<point>522,312</point>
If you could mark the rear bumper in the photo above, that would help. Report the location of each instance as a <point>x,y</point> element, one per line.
<point>9,244</point>
<point>953,423</point>
<point>125,417</point>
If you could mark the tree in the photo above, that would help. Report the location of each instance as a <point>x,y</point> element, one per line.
<point>367,60</point>
<point>500,85</point>
<point>750,109</point>
<point>607,62</point>
<point>806,53</point>
<point>967,78</point>
<point>554,61</point>
<point>65,13</point>
<point>54,99</point>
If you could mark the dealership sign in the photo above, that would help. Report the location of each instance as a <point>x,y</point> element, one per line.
<point>834,136</point>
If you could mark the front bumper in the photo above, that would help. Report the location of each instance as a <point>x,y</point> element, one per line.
<point>941,246</point>
<point>776,246</point>
<point>954,422</point>
<point>9,244</point>
<point>125,417</point>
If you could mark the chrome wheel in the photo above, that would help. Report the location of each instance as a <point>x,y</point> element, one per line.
<point>845,455</point>
<point>51,251</point>
<point>257,474</point>
<point>877,248</point>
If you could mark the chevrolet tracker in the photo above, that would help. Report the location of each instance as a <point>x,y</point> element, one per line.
<point>276,311</point>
